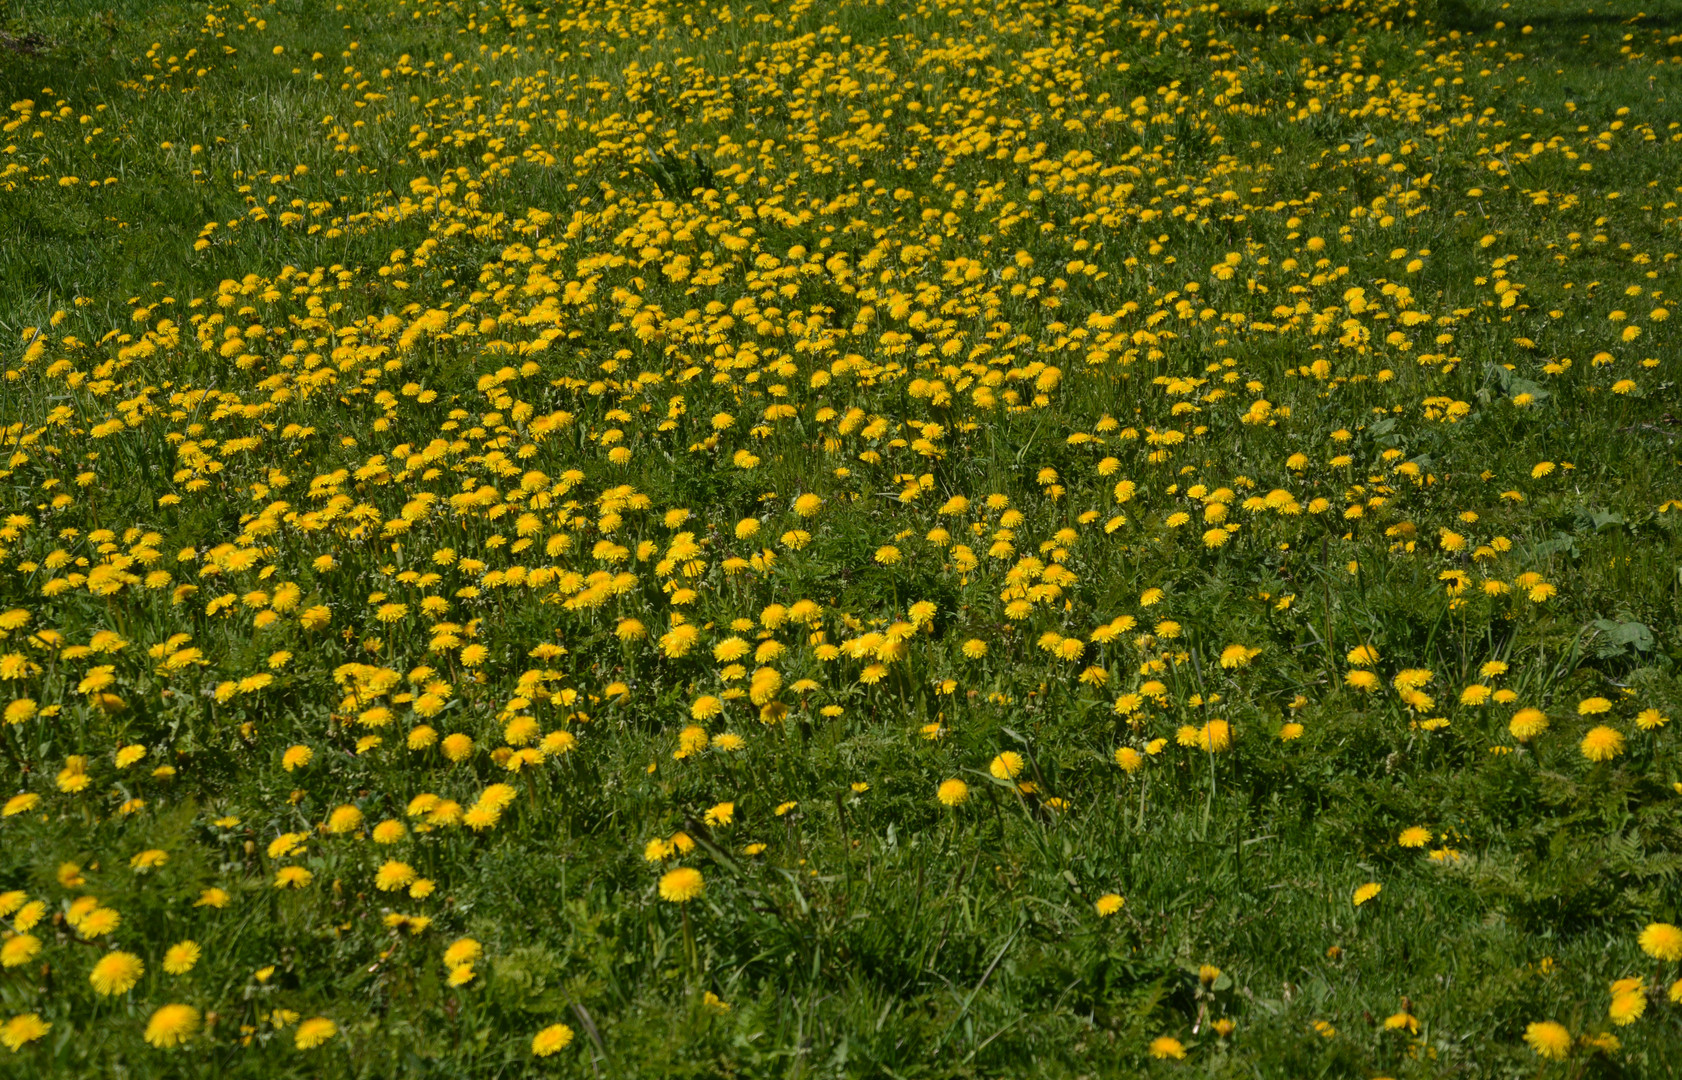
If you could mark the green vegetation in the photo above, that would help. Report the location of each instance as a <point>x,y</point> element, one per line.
<point>839,539</point>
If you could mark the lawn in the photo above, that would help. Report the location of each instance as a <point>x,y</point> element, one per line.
<point>639,538</point>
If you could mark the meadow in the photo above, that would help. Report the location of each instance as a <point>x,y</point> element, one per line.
<point>780,538</point>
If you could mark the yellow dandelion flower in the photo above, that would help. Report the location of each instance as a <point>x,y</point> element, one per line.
<point>1661,941</point>
<point>1627,1007</point>
<point>1006,766</point>
<point>21,1030</point>
<point>1550,1040</point>
<point>953,792</point>
<point>681,885</point>
<point>180,957</point>
<point>1602,743</point>
<point>1164,1047</point>
<point>1528,723</point>
<point>551,1040</point>
<point>19,949</point>
<point>313,1032</point>
<point>116,973</point>
<point>172,1025</point>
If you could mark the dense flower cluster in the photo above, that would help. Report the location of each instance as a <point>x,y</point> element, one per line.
<point>777,427</point>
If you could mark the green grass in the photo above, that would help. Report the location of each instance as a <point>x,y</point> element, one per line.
<point>436,199</point>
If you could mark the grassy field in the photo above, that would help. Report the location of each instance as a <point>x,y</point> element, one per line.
<point>633,538</point>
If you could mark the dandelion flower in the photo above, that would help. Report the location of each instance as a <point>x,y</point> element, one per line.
<point>393,875</point>
<point>1661,941</point>
<point>116,973</point>
<point>1414,837</point>
<point>172,1025</point>
<point>21,1030</point>
<point>1627,1007</point>
<point>681,885</point>
<point>313,1032</point>
<point>551,1040</point>
<point>1006,766</point>
<point>1215,736</point>
<point>344,819</point>
<point>1237,656</point>
<point>1602,743</point>
<point>1366,892</point>
<point>1129,759</point>
<point>463,951</point>
<point>19,949</point>
<point>292,877</point>
<point>1550,1040</point>
<point>180,957</point>
<point>1362,656</point>
<point>1164,1047</point>
<point>1593,706</point>
<point>1527,724</point>
<point>1109,904</point>
<point>952,792</point>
